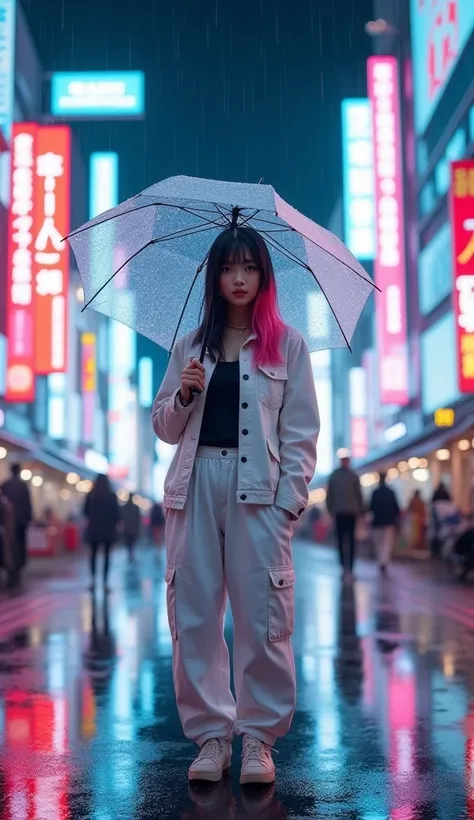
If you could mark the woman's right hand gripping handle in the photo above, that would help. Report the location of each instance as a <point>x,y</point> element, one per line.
<point>192,380</point>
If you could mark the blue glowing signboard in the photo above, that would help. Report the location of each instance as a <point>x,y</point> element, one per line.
<point>358,177</point>
<point>439,29</point>
<point>98,94</point>
<point>103,187</point>
<point>7,64</point>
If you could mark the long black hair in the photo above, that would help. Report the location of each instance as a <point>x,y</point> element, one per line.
<point>234,246</point>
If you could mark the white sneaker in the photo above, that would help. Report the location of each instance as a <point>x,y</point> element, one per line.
<point>257,762</point>
<point>213,759</point>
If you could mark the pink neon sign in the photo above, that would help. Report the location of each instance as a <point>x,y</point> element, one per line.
<point>389,265</point>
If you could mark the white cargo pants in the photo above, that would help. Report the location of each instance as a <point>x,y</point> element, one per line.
<point>216,547</point>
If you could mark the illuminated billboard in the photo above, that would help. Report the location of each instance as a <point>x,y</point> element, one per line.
<point>462,223</point>
<point>439,29</point>
<point>389,264</point>
<point>7,64</point>
<point>103,182</point>
<point>358,177</point>
<point>20,288</point>
<point>101,94</point>
<point>51,259</point>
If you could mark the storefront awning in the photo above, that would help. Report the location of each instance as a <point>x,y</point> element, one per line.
<point>415,446</point>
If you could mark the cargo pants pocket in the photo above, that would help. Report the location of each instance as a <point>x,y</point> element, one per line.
<point>170,578</point>
<point>281,603</point>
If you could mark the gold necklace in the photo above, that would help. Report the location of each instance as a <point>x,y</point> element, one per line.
<point>239,329</point>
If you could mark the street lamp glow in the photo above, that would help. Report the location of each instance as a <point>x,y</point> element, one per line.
<point>3,452</point>
<point>37,481</point>
<point>72,478</point>
<point>26,475</point>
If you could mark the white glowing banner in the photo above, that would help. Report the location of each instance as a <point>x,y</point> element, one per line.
<point>358,177</point>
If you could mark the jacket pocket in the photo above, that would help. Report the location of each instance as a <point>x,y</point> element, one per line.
<point>281,603</point>
<point>170,578</point>
<point>274,449</point>
<point>271,384</point>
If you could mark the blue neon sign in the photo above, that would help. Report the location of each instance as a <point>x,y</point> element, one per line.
<point>99,94</point>
<point>7,64</point>
<point>103,182</point>
<point>358,178</point>
<point>439,32</point>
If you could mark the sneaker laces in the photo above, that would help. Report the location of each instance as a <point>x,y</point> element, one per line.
<point>255,749</point>
<point>211,749</point>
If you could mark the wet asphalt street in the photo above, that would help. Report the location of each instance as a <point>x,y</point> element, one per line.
<point>384,726</point>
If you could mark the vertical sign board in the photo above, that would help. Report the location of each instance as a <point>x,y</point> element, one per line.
<point>51,260</point>
<point>7,64</point>
<point>88,383</point>
<point>358,176</point>
<point>20,276</point>
<point>462,221</point>
<point>389,265</point>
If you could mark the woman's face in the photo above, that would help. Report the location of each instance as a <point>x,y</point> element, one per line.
<point>240,282</point>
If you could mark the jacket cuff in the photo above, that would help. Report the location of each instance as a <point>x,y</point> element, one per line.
<point>291,504</point>
<point>178,409</point>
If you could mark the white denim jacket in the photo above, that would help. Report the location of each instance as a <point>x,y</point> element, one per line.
<point>278,425</point>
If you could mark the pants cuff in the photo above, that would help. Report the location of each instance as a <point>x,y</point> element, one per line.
<point>215,733</point>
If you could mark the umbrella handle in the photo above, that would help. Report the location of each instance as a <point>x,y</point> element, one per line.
<point>194,390</point>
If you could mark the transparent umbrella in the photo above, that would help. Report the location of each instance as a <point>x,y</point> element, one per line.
<point>142,262</point>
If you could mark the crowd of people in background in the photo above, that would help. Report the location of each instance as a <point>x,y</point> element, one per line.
<point>437,528</point>
<point>103,523</point>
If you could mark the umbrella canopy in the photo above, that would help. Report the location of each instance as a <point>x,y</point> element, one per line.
<point>141,263</point>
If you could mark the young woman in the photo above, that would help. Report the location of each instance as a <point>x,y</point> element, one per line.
<point>102,512</point>
<point>239,478</point>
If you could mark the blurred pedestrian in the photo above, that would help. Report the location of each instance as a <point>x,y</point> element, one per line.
<point>102,511</point>
<point>7,536</point>
<point>131,523</point>
<point>385,519</point>
<point>239,479</point>
<point>345,504</point>
<point>416,522</point>
<point>17,492</point>
<point>157,524</point>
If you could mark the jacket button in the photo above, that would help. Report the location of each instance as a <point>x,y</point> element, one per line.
<point>243,497</point>
<point>223,452</point>
<point>244,432</point>
<point>244,405</point>
<point>280,582</point>
<point>245,378</point>
<point>272,372</point>
<point>243,459</point>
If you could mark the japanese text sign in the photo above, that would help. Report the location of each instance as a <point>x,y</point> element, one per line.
<point>358,175</point>
<point>389,265</point>
<point>462,222</point>
<point>440,30</point>
<point>20,288</point>
<point>51,258</point>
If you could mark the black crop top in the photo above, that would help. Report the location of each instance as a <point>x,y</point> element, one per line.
<point>220,421</point>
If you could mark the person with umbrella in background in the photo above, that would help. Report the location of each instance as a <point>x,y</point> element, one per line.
<point>238,400</point>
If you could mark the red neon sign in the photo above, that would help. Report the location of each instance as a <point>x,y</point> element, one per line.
<point>20,290</point>
<point>389,265</point>
<point>462,222</point>
<point>51,261</point>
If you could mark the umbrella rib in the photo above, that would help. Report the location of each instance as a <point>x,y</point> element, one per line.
<point>222,212</point>
<point>304,265</point>
<point>341,262</point>
<point>175,235</point>
<point>88,227</point>
<point>248,218</point>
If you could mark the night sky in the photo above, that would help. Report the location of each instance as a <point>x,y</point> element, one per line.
<point>235,90</point>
